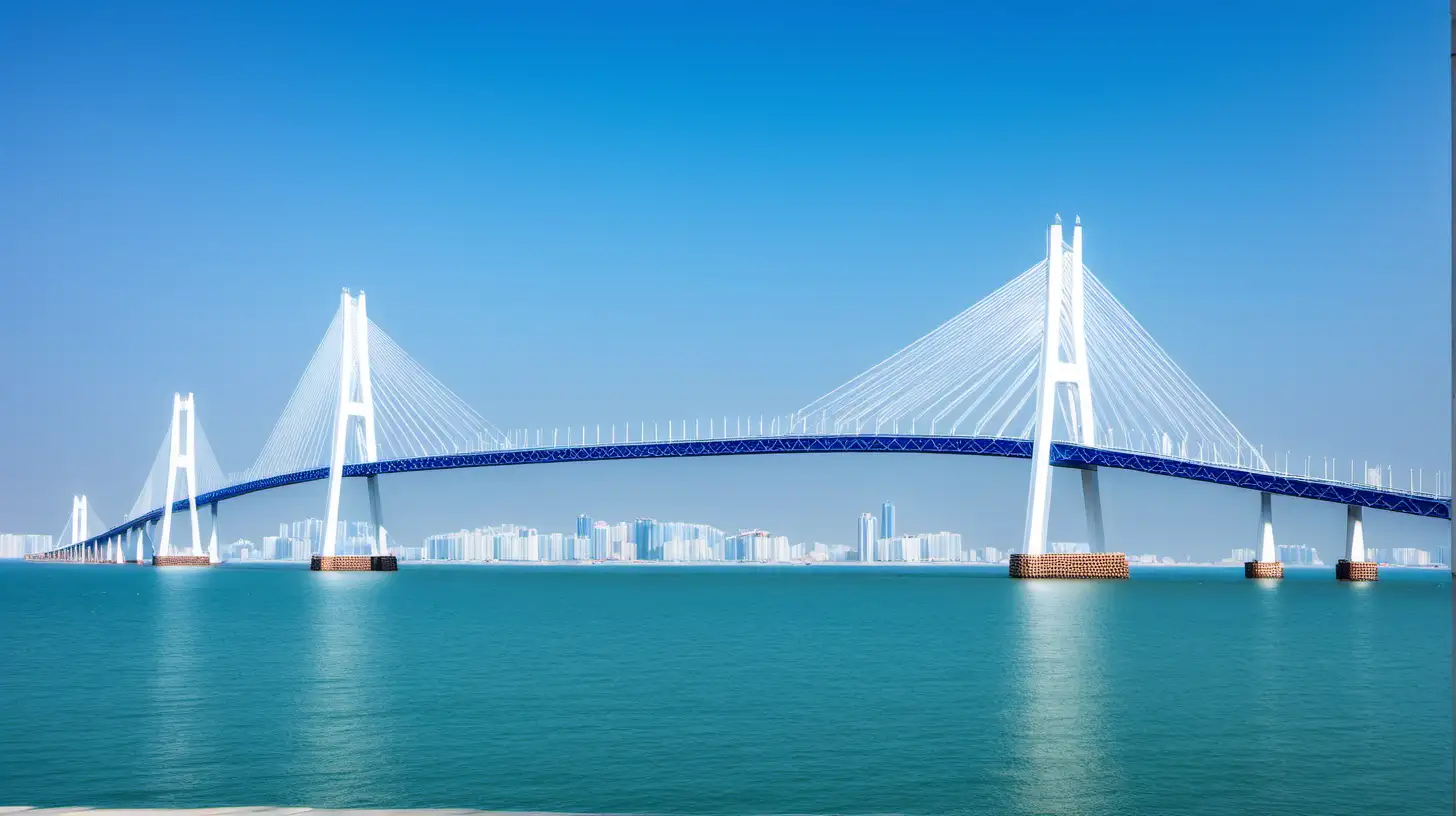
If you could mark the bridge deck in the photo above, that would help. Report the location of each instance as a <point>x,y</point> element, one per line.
<point>1062,455</point>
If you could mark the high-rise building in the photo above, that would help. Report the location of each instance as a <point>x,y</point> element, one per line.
<point>584,525</point>
<point>887,520</point>
<point>1299,554</point>
<point>1410,557</point>
<point>601,541</point>
<point>308,533</point>
<point>943,546</point>
<point>866,537</point>
<point>647,535</point>
<point>758,546</point>
<point>19,545</point>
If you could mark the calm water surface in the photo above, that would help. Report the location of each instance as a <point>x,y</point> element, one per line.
<point>725,690</point>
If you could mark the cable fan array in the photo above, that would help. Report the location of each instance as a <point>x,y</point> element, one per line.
<point>154,489</point>
<point>977,375</point>
<point>415,414</point>
<point>94,525</point>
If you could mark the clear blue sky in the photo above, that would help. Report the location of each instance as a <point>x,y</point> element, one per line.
<point>583,212</point>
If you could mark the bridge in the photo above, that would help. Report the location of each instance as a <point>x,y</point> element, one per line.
<point>1050,368</point>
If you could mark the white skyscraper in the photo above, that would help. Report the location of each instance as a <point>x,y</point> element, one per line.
<point>867,536</point>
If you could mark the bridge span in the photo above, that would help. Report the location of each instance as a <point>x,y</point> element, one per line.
<point>1049,368</point>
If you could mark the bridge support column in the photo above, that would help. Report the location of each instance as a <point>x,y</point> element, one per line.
<point>1092,501</point>
<point>376,517</point>
<point>353,375</point>
<point>182,455</point>
<point>1266,563</point>
<point>1065,293</point>
<point>1354,567</point>
<point>141,543</point>
<point>212,536</point>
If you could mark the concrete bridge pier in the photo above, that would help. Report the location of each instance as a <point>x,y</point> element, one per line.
<point>1354,567</point>
<point>1266,563</point>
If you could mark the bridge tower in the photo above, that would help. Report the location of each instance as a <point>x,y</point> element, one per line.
<point>1064,369</point>
<point>354,378</point>
<point>79,533</point>
<point>181,455</point>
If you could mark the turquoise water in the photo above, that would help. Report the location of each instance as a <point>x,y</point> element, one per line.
<point>725,690</point>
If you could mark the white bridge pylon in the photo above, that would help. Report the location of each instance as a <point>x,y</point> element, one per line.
<point>182,455</point>
<point>79,520</point>
<point>1063,363</point>
<point>354,380</point>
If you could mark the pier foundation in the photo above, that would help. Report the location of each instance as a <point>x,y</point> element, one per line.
<point>181,561</point>
<point>1356,570</point>
<point>1354,567</point>
<point>353,563</point>
<point>1263,569</point>
<point>1069,565</point>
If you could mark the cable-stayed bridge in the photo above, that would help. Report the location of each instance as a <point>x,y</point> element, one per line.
<point>1050,367</point>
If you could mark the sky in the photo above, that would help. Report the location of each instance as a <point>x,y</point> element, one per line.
<point>582,212</point>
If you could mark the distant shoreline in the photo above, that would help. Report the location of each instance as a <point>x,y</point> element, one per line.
<point>846,564</point>
<point>758,564</point>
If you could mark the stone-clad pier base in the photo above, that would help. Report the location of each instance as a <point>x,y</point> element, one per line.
<point>353,563</point>
<point>1069,565</point>
<point>1263,569</point>
<point>1356,571</point>
<point>181,561</point>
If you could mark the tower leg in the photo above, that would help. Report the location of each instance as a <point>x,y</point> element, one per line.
<point>1354,567</point>
<point>1092,500</point>
<point>1266,563</point>
<point>192,475</point>
<point>376,515</point>
<point>212,536</point>
<point>1038,500</point>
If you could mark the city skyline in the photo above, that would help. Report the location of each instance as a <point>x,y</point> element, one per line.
<point>648,540</point>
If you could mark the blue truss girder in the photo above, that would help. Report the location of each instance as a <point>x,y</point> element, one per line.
<point>1378,498</point>
<point>1062,455</point>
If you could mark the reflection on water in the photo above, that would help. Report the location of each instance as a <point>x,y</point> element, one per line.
<point>344,704</point>
<point>1264,696</point>
<point>178,697</point>
<point>1061,698</point>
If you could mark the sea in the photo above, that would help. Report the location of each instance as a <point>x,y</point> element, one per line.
<point>725,690</point>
